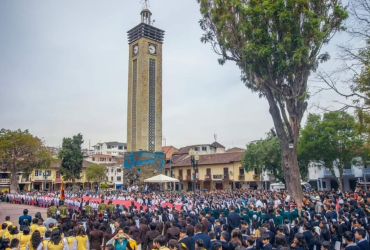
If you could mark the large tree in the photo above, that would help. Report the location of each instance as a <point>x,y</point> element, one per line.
<point>20,151</point>
<point>72,158</point>
<point>333,141</point>
<point>276,44</point>
<point>265,155</point>
<point>351,79</point>
<point>96,173</point>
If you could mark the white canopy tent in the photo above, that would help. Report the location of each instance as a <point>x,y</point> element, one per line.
<point>161,179</point>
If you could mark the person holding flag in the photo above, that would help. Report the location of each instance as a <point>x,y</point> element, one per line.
<point>62,207</point>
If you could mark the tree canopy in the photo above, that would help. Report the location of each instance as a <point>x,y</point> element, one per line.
<point>20,151</point>
<point>276,44</point>
<point>96,173</point>
<point>72,158</point>
<point>332,140</point>
<point>265,155</point>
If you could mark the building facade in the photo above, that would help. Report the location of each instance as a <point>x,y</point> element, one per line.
<point>110,148</point>
<point>114,165</point>
<point>322,178</point>
<point>221,171</point>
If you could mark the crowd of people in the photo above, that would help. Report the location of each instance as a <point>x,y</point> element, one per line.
<point>217,220</point>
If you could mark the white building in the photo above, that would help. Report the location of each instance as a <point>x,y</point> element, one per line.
<point>115,174</point>
<point>110,148</point>
<point>322,178</point>
<point>114,165</point>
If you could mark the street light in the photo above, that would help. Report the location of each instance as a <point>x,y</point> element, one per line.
<point>194,158</point>
<point>45,176</point>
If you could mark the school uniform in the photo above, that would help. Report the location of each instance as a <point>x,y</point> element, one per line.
<point>352,247</point>
<point>363,244</point>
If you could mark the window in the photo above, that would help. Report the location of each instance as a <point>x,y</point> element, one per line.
<point>48,172</point>
<point>120,147</point>
<point>118,170</point>
<point>196,149</point>
<point>111,170</point>
<point>93,159</point>
<point>111,178</point>
<point>38,173</point>
<point>241,171</point>
<point>97,148</point>
<point>110,159</point>
<point>109,147</point>
<point>255,171</point>
<point>57,174</point>
<point>118,178</point>
<point>102,159</point>
<point>204,148</point>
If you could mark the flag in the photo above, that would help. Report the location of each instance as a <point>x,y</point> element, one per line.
<point>62,196</point>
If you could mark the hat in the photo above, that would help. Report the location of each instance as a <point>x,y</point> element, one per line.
<point>318,198</point>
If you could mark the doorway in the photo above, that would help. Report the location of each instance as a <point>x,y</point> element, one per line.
<point>219,186</point>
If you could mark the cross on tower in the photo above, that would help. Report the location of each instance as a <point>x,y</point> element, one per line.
<point>145,3</point>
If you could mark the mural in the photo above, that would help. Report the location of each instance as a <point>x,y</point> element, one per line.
<point>151,161</point>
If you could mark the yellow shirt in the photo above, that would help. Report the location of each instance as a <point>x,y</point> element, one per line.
<point>2,232</point>
<point>44,243</point>
<point>51,245</point>
<point>9,223</point>
<point>33,227</point>
<point>24,239</point>
<point>82,242</point>
<point>6,234</point>
<point>41,229</point>
<point>13,236</point>
<point>70,241</point>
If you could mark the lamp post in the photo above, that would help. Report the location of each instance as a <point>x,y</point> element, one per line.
<point>194,158</point>
<point>45,176</point>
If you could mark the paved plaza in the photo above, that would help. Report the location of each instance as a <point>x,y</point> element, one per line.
<point>16,210</point>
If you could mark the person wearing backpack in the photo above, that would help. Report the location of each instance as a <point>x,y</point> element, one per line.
<point>25,219</point>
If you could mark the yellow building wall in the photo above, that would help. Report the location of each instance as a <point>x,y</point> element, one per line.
<point>218,169</point>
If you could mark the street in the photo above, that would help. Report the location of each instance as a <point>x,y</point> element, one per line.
<point>16,210</point>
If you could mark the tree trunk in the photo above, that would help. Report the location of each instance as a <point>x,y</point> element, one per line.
<point>288,155</point>
<point>13,181</point>
<point>339,180</point>
<point>291,173</point>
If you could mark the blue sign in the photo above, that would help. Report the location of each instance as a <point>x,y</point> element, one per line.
<point>140,159</point>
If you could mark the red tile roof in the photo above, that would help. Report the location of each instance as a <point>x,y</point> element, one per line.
<point>210,159</point>
<point>235,149</point>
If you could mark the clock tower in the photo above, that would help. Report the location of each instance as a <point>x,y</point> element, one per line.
<point>144,114</point>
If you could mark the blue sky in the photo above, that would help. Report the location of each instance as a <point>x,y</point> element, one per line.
<point>63,70</point>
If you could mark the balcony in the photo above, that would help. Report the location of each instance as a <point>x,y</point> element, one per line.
<point>241,178</point>
<point>256,177</point>
<point>180,177</point>
<point>327,173</point>
<point>366,171</point>
<point>217,176</point>
<point>188,177</point>
<point>4,181</point>
<point>348,172</point>
<point>207,177</point>
<point>23,180</point>
<point>226,177</point>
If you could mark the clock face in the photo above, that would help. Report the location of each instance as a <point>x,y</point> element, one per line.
<point>136,49</point>
<point>152,49</point>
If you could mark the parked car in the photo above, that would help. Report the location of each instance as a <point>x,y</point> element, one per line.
<point>306,187</point>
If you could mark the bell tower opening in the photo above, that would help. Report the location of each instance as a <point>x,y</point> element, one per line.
<point>146,16</point>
